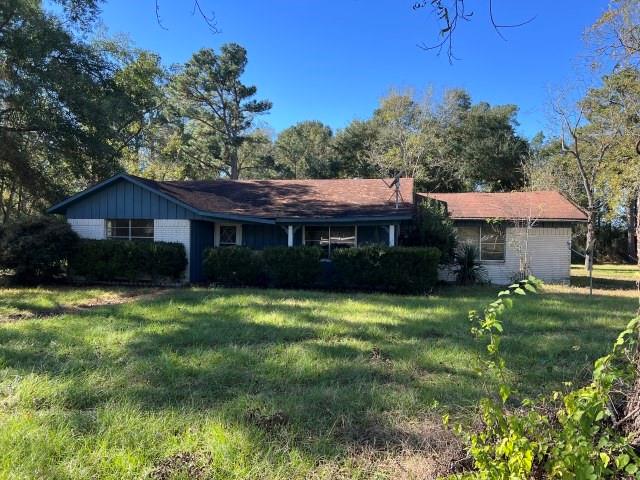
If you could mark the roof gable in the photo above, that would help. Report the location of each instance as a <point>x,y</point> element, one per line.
<point>540,205</point>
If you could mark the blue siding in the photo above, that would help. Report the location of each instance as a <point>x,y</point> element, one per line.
<point>259,236</point>
<point>123,199</point>
<point>201,239</point>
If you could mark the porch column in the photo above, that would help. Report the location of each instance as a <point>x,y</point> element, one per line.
<point>290,236</point>
<point>392,235</point>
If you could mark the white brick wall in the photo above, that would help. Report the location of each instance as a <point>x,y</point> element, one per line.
<point>93,228</point>
<point>549,256</point>
<point>174,231</point>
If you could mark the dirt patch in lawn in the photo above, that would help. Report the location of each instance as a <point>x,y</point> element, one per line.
<point>181,465</point>
<point>108,299</point>
<point>399,449</point>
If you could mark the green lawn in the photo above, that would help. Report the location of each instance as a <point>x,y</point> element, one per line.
<point>607,275</point>
<point>242,383</point>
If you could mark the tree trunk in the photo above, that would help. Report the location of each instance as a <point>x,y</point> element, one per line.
<point>233,163</point>
<point>591,239</point>
<point>632,218</point>
<point>637,226</point>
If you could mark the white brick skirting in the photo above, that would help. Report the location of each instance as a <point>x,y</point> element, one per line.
<point>93,228</point>
<point>178,231</point>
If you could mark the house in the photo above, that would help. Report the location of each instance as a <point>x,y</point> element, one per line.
<point>510,230</point>
<point>254,213</point>
<point>514,232</point>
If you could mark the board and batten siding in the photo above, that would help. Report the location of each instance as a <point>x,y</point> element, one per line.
<point>124,199</point>
<point>549,255</point>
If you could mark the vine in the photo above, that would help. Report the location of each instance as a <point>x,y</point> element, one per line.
<point>572,435</point>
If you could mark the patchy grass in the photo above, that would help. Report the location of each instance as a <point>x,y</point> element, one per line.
<point>264,383</point>
<point>21,303</point>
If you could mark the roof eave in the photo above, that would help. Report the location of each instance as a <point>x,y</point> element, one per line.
<point>482,219</point>
<point>349,219</point>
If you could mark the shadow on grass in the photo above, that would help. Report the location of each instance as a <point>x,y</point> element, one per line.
<point>605,283</point>
<point>333,373</point>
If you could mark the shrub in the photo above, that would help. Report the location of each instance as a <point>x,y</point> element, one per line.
<point>575,434</point>
<point>433,228</point>
<point>234,266</point>
<point>395,269</point>
<point>293,267</point>
<point>111,260</point>
<point>36,249</point>
<point>467,267</point>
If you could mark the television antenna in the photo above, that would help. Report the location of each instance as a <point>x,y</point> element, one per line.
<point>395,184</point>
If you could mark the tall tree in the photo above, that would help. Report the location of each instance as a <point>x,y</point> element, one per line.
<point>209,93</point>
<point>588,137</point>
<point>304,151</point>
<point>351,147</point>
<point>67,108</point>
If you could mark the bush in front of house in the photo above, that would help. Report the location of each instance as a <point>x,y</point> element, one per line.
<point>389,269</point>
<point>234,266</point>
<point>433,228</point>
<point>36,248</point>
<point>118,260</point>
<point>293,267</point>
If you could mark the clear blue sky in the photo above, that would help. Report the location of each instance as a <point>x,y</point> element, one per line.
<point>332,60</point>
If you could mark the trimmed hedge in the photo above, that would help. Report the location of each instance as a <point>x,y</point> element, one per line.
<point>113,260</point>
<point>395,269</point>
<point>293,267</point>
<point>234,266</point>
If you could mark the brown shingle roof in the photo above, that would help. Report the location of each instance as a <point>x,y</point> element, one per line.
<point>291,198</point>
<point>547,205</point>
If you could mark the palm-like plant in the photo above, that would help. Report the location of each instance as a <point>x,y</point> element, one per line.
<point>467,266</point>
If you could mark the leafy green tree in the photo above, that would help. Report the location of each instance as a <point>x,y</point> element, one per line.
<point>352,146</point>
<point>67,108</point>
<point>433,228</point>
<point>304,151</point>
<point>453,146</point>
<point>219,110</point>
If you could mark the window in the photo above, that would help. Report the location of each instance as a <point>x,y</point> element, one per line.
<point>228,235</point>
<point>130,229</point>
<point>489,239</point>
<point>330,238</point>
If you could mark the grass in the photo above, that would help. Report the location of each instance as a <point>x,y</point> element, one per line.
<point>263,383</point>
<point>611,276</point>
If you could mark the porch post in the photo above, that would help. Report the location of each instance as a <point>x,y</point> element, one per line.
<point>392,235</point>
<point>290,236</point>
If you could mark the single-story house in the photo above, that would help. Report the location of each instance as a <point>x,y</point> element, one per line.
<point>331,214</point>
<point>254,213</point>
<point>514,232</point>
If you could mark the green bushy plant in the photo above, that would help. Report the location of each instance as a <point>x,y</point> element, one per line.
<point>569,435</point>
<point>467,266</point>
<point>37,249</point>
<point>234,266</point>
<point>113,260</point>
<point>293,267</point>
<point>396,269</point>
<point>433,228</point>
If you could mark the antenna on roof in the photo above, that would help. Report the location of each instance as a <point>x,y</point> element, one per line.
<point>395,184</point>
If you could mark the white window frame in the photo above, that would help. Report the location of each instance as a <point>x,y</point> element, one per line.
<point>355,240</point>
<point>216,233</point>
<point>130,236</point>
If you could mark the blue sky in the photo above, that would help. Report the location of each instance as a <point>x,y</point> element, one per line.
<point>332,60</point>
